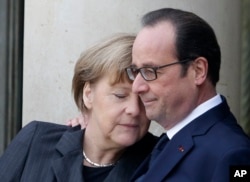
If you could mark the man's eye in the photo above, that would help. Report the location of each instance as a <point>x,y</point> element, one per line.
<point>149,71</point>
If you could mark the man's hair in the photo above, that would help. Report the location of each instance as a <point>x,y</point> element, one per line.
<point>194,37</point>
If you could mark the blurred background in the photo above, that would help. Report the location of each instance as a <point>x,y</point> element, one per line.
<point>40,42</point>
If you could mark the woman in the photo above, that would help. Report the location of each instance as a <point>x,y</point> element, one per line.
<point>109,148</point>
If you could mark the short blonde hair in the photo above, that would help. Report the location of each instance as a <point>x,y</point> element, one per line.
<point>110,56</point>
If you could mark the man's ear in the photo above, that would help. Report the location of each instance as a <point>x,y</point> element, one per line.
<point>87,95</point>
<point>201,68</point>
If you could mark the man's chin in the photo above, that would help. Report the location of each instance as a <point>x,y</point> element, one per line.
<point>150,115</point>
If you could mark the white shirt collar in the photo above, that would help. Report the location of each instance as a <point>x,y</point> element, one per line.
<point>199,110</point>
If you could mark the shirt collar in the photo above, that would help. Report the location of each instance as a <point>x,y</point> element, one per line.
<point>199,110</point>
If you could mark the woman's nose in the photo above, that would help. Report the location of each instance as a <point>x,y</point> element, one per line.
<point>133,106</point>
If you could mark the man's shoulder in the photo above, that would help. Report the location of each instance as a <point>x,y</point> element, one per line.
<point>230,132</point>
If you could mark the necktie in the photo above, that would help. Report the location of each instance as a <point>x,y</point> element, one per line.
<point>155,152</point>
<point>158,148</point>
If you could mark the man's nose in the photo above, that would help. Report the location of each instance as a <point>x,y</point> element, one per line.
<point>139,84</point>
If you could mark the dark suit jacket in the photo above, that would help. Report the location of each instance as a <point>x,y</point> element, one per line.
<point>49,152</point>
<point>203,151</point>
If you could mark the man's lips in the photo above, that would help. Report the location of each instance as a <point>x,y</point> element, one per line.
<point>147,102</point>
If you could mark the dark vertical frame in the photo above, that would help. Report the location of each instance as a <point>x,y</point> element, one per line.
<point>11,69</point>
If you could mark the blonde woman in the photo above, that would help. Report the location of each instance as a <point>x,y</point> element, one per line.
<point>115,140</point>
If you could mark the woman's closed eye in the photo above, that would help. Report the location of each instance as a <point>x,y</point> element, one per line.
<point>120,96</point>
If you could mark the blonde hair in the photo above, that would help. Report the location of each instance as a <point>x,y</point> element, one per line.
<point>110,56</point>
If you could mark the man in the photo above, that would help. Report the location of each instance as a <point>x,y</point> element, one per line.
<point>175,69</point>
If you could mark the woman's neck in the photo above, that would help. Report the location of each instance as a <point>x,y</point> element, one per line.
<point>98,151</point>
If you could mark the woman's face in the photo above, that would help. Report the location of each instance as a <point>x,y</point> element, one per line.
<point>116,116</point>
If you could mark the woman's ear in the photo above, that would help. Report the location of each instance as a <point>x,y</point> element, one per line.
<point>87,95</point>
<point>201,68</point>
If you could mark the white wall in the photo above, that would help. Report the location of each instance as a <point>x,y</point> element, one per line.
<point>57,31</point>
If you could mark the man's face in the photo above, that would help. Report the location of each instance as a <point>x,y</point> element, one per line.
<point>170,97</point>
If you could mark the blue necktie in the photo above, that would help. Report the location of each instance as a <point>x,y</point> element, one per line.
<point>158,147</point>
<point>155,152</point>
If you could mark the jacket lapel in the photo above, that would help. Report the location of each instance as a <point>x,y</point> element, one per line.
<point>175,150</point>
<point>68,166</point>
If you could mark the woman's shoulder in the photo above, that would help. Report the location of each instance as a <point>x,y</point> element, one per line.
<point>45,128</point>
<point>45,125</point>
<point>36,123</point>
<point>42,127</point>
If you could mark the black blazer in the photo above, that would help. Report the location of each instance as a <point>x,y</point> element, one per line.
<point>49,152</point>
<point>203,151</point>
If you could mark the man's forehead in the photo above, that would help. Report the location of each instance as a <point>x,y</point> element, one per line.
<point>153,47</point>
